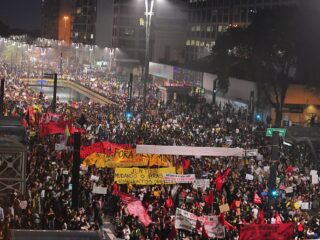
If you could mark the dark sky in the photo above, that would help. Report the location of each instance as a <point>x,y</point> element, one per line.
<point>22,14</point>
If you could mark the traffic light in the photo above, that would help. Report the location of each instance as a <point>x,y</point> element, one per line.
<point>128,115</point>
<point>274,193</point>
<point>258,117</point>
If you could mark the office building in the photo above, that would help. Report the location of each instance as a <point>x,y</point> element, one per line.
<point>84,21</point>
<point>104,23</point>
<point>209,18</point>
<point>50,18</point>
<point>167,35</point>
<point>56,18</point>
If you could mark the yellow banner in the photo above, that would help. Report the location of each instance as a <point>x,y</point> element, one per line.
<point>159,160</point>
<point>141,176</point>
<point>128,158</point>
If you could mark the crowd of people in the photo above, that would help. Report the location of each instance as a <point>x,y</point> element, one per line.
<point>47,202</point>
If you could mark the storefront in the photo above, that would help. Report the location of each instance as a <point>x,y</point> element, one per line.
<point>300,106</point>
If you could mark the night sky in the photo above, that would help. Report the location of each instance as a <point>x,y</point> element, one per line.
<point>22,14</point>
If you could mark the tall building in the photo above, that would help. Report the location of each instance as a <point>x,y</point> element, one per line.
<point>207,19</point>
<point>56,18</point>
<point>84,21</point>
<point>104,23</point>
<point>168,30</point>
<point>50,18</point>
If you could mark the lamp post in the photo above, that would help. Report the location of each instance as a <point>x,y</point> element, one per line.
<point>90,54</point>
<point>148,13</point>
<point>65,18</point>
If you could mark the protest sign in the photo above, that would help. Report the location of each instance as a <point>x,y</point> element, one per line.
<point>267,231</point>
<point>266,169</point>
<point>289,189</point>
<point>99,190</point>
<point>224,208</point>
<point>304,205</point>
<point>94,178</point>
<point>187,221</point>
<point>315,179</point>
<point>251,152</point>
<point>141,176</point>
<point>313,172</point>
<point>249,177</point>
<point>179,178</point>
<point>59,147</point>
<point>201,183</point>
<point>83,167</point>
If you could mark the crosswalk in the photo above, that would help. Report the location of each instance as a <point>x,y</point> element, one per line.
<point>108,230</point>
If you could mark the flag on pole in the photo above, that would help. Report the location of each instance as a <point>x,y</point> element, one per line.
<point>278,218</point>
<point>257,199</point>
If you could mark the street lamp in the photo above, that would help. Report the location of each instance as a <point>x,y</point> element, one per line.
<point>65,18</point>
<point>148,13</point>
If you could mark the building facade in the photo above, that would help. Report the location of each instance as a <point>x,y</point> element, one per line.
<point>56,19</point>
<point>50,18</point>
<point>207,19</point>
<point>84,21</point>
<point>167,35</point>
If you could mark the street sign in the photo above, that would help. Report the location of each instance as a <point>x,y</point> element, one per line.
<point>41,82</point>
<point>270,131</point>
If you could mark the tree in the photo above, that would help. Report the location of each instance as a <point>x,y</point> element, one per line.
<point>266,52</point>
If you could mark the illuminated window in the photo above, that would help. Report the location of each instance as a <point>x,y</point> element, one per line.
<point>202,44</point>
<point>79,10</point>
<point>197,43</point>
<point>222,28</point>
<point>198,28</point>
<point>188,43</point>
<point>192,42</point>
<point>141,21</point>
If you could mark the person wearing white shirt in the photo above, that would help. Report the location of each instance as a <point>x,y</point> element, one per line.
<point>126,232</point>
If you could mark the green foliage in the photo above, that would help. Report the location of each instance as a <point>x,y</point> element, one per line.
<point>265,52</point>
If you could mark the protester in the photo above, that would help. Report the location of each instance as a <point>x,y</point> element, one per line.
<point>47,204</point>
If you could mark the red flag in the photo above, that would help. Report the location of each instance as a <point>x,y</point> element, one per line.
<point>30,114</point>
<point>204,233</point>
<point>185,164</point>
<point>269,231</point>
<point>261,217</point>
<point>289,169</point>
<point>173,232</point>
<point>24,122</point>
<point>278,218</point>
<point>257,199</point>
<point>198,225</point>
<point>169,202</point>
<point>210,200</point>
<point>136,208</point>
<point>220,179</point>
<point>115,189</point>
<point>225,222</point>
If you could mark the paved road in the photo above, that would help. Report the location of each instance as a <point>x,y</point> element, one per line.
<point>108,229</point>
